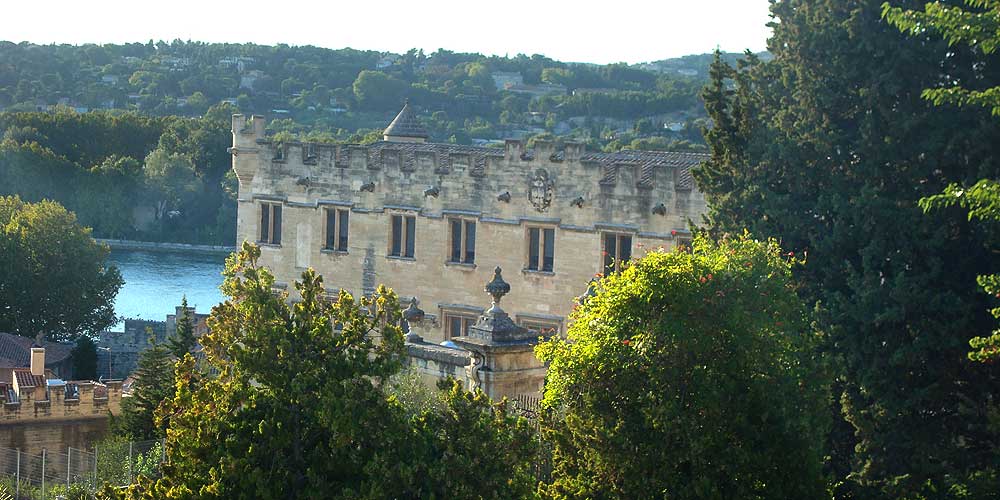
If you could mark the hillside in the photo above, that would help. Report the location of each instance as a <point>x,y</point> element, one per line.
<point>341,95</point>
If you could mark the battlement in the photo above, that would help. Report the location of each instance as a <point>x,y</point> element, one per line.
<point>438,158</point>
<point>59,401</point>
<point>652,189</point>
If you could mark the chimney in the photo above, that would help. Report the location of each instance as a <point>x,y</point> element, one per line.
<point>38,361</point>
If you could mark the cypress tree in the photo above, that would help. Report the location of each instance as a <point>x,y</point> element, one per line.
<point>830,147</point>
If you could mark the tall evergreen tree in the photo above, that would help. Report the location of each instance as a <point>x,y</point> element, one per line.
<point>84,355</point>
<point>154,384</point>
<point>183,340</point>
<point>979,27</point>
<point>830,147</point>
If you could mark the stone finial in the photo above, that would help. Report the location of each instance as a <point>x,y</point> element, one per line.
<point>410,315</point>
<point>497,288</point>
<point>412,312</point>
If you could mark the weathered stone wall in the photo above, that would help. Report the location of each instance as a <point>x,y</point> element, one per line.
<point>31,437</point>
<point>433,362</point>
<point>591,193</point>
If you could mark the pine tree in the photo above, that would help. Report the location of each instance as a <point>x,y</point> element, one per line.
<point>830,147</point>
<point>183,341</point>
<point>154,384</point>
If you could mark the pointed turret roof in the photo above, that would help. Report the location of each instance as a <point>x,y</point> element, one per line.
<point>406,125</point>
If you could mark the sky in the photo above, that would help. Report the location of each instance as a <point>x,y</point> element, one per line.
<point>574,31</point>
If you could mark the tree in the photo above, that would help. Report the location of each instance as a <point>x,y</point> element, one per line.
<point>53,276</point>
<point>84,356</point>
<point>377,91</point>
<point>300,409</point>
<point>980,29</point>
<point>183,341</point>
<point>689,375</point>
<point>154,385</point>
<point>830,146</point>
<point>170,178</point>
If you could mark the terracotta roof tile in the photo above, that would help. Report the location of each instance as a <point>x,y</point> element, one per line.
<point>26,379</point>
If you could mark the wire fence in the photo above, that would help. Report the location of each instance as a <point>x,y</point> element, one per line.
<point>52,474</point>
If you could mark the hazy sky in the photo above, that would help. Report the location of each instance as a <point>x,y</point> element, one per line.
<point>582,30</point>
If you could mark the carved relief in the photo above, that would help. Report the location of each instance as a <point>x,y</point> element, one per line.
<point>540,190</point>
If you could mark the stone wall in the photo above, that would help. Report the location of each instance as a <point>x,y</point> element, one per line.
<point>580,195</point>
<point>32,437</point>
<point>433,362</point>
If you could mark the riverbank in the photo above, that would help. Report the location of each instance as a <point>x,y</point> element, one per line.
<point>154,246</point>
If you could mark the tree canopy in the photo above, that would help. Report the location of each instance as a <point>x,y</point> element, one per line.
<point>300,409</point>
<point>689,375</point>
<point>830,147</point>
<point>54,278</point>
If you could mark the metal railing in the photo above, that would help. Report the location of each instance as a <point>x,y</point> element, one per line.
<point>53,473</point>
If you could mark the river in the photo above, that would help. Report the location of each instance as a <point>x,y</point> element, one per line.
<point>155,282</point>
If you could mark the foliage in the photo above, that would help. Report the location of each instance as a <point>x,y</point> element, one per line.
<point>120,460</point>
<point>830,146</point>
<point>689,375</point>
<point>53,276</point>
<point>183,341</point>
<point>977,26</point>
<point>463,445</point>
<point>84,356</point>
<point>301,410</point>
<point>90,162</point>
<point>154,384</point>
<point>170,179</point>
<point>980,29</point>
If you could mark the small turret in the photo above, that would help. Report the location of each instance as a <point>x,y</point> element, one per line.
<point>405,127</point>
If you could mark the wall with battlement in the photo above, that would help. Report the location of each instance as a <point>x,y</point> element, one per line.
<point>93,401</point>
<point>581,195</point>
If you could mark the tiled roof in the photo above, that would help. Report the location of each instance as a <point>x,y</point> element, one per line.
<point>648,162</point>
<point>15,351</point>
<point>406,124</point>
<point>26,379</point>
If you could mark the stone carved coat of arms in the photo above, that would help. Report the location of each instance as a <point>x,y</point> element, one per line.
<point>540,190</point>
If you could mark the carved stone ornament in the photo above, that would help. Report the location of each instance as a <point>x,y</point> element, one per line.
<point>540,190</point>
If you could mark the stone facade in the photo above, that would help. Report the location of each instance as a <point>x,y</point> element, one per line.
<point>586,199</point>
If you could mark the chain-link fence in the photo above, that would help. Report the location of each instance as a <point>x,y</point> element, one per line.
<point>52,473</point>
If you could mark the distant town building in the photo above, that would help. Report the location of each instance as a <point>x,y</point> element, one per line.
<point>539,90</point>
<point>386,61</point>
<point>248,80</point>
<point>118,352</point>
<point>506,79</point>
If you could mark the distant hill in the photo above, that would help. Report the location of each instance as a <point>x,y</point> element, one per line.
<point>344,94</point>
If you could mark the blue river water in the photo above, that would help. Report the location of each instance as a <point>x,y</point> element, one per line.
<point>155,282</point>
